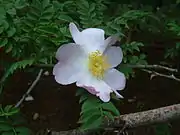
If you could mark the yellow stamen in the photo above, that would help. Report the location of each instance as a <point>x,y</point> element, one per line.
<point>98,64</point>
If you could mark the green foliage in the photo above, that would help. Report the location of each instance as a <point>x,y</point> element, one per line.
<point>162,129</point>
<point>90,13</point>
<point>15,66</point>
<point>172,52</point>
<point>11,123</point>
<point>131,51</point>
<point>9,110</point>
<point>94,111</point>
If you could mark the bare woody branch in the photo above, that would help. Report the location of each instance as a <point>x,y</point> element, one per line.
<point>162,75</point>
<point>132,120</point>
<point>153,67</point>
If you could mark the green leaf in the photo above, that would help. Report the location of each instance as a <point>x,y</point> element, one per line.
<point>93,123</point>
<point>83,98</point>
<point>111,108</point>
<point>8,133</point>
<point>8,108</point>
<point>12,11</point>
<point>80,91</point>
<point>92,7</point>
<point>3,42</point>
<point>11,32</point>
<point>32,16</point>
<point>2,14</point>
<point>126,70</point>
<point>162,129</point>
<point>22,131</point>
<point>19,4</point>
<point>5,24</point>
<point>5,127</point>
<point>11,110</point>
<point>29,23</point>
<point>9,48</point>
<point>109,115</point>
<point>45,3</point>
<point>65,18</point>
<point>14,67</point>
<point>142,56</point>
<point>88,114</point>
<point>47,13</point>
<point>3,119</point>
<point>133,59</point>
<point>47,29</point>
<point>83,4</point>
<point>89,104</point>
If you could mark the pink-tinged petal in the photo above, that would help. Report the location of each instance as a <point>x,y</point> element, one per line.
<point>90,89</point>
<point>76,34</point>
<point>99,87</point>
<point>114,55</point>
<point>68,51</point>
<point>115,79</point>
<point>66,73</point>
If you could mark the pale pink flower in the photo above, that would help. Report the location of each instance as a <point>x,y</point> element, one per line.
<point>90,62</point>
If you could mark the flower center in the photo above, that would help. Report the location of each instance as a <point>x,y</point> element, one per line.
<point>98,64</point>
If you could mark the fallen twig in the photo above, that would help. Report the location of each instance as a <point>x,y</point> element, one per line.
<point>30,88</point>
<point>160,74</point>
<point>132,120</point>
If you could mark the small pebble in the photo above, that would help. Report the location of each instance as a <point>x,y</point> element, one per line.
<point>46,73</point>
<point>35,116</point>
<point>29,98</point>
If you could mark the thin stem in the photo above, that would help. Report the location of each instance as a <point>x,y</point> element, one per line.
<point>30,88</point>
<point>162,75</point>
<point>153,67</point>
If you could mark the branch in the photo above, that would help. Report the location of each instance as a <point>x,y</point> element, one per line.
<point>44,65</point>
<point>30,88</point>
<point>154,116</point>
<point>153,67</point>
<point>162,75</point>
<point>133,120</point>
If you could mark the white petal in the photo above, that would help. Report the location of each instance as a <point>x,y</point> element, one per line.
<point>68,51</point>
<point>115,79</point>
<point>90,39</point>
<point>93,39</point>
<point>101,89</point>
<point>66,73</point>
<point>68,69</point>
<point>76,34</point>
<point>117,94</point>
<point>104,96</point>
<point>110,40</point>
<point>114,55</point>
<point>93,36</point>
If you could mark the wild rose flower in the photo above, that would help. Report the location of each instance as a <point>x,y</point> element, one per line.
<point>90,62</point>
